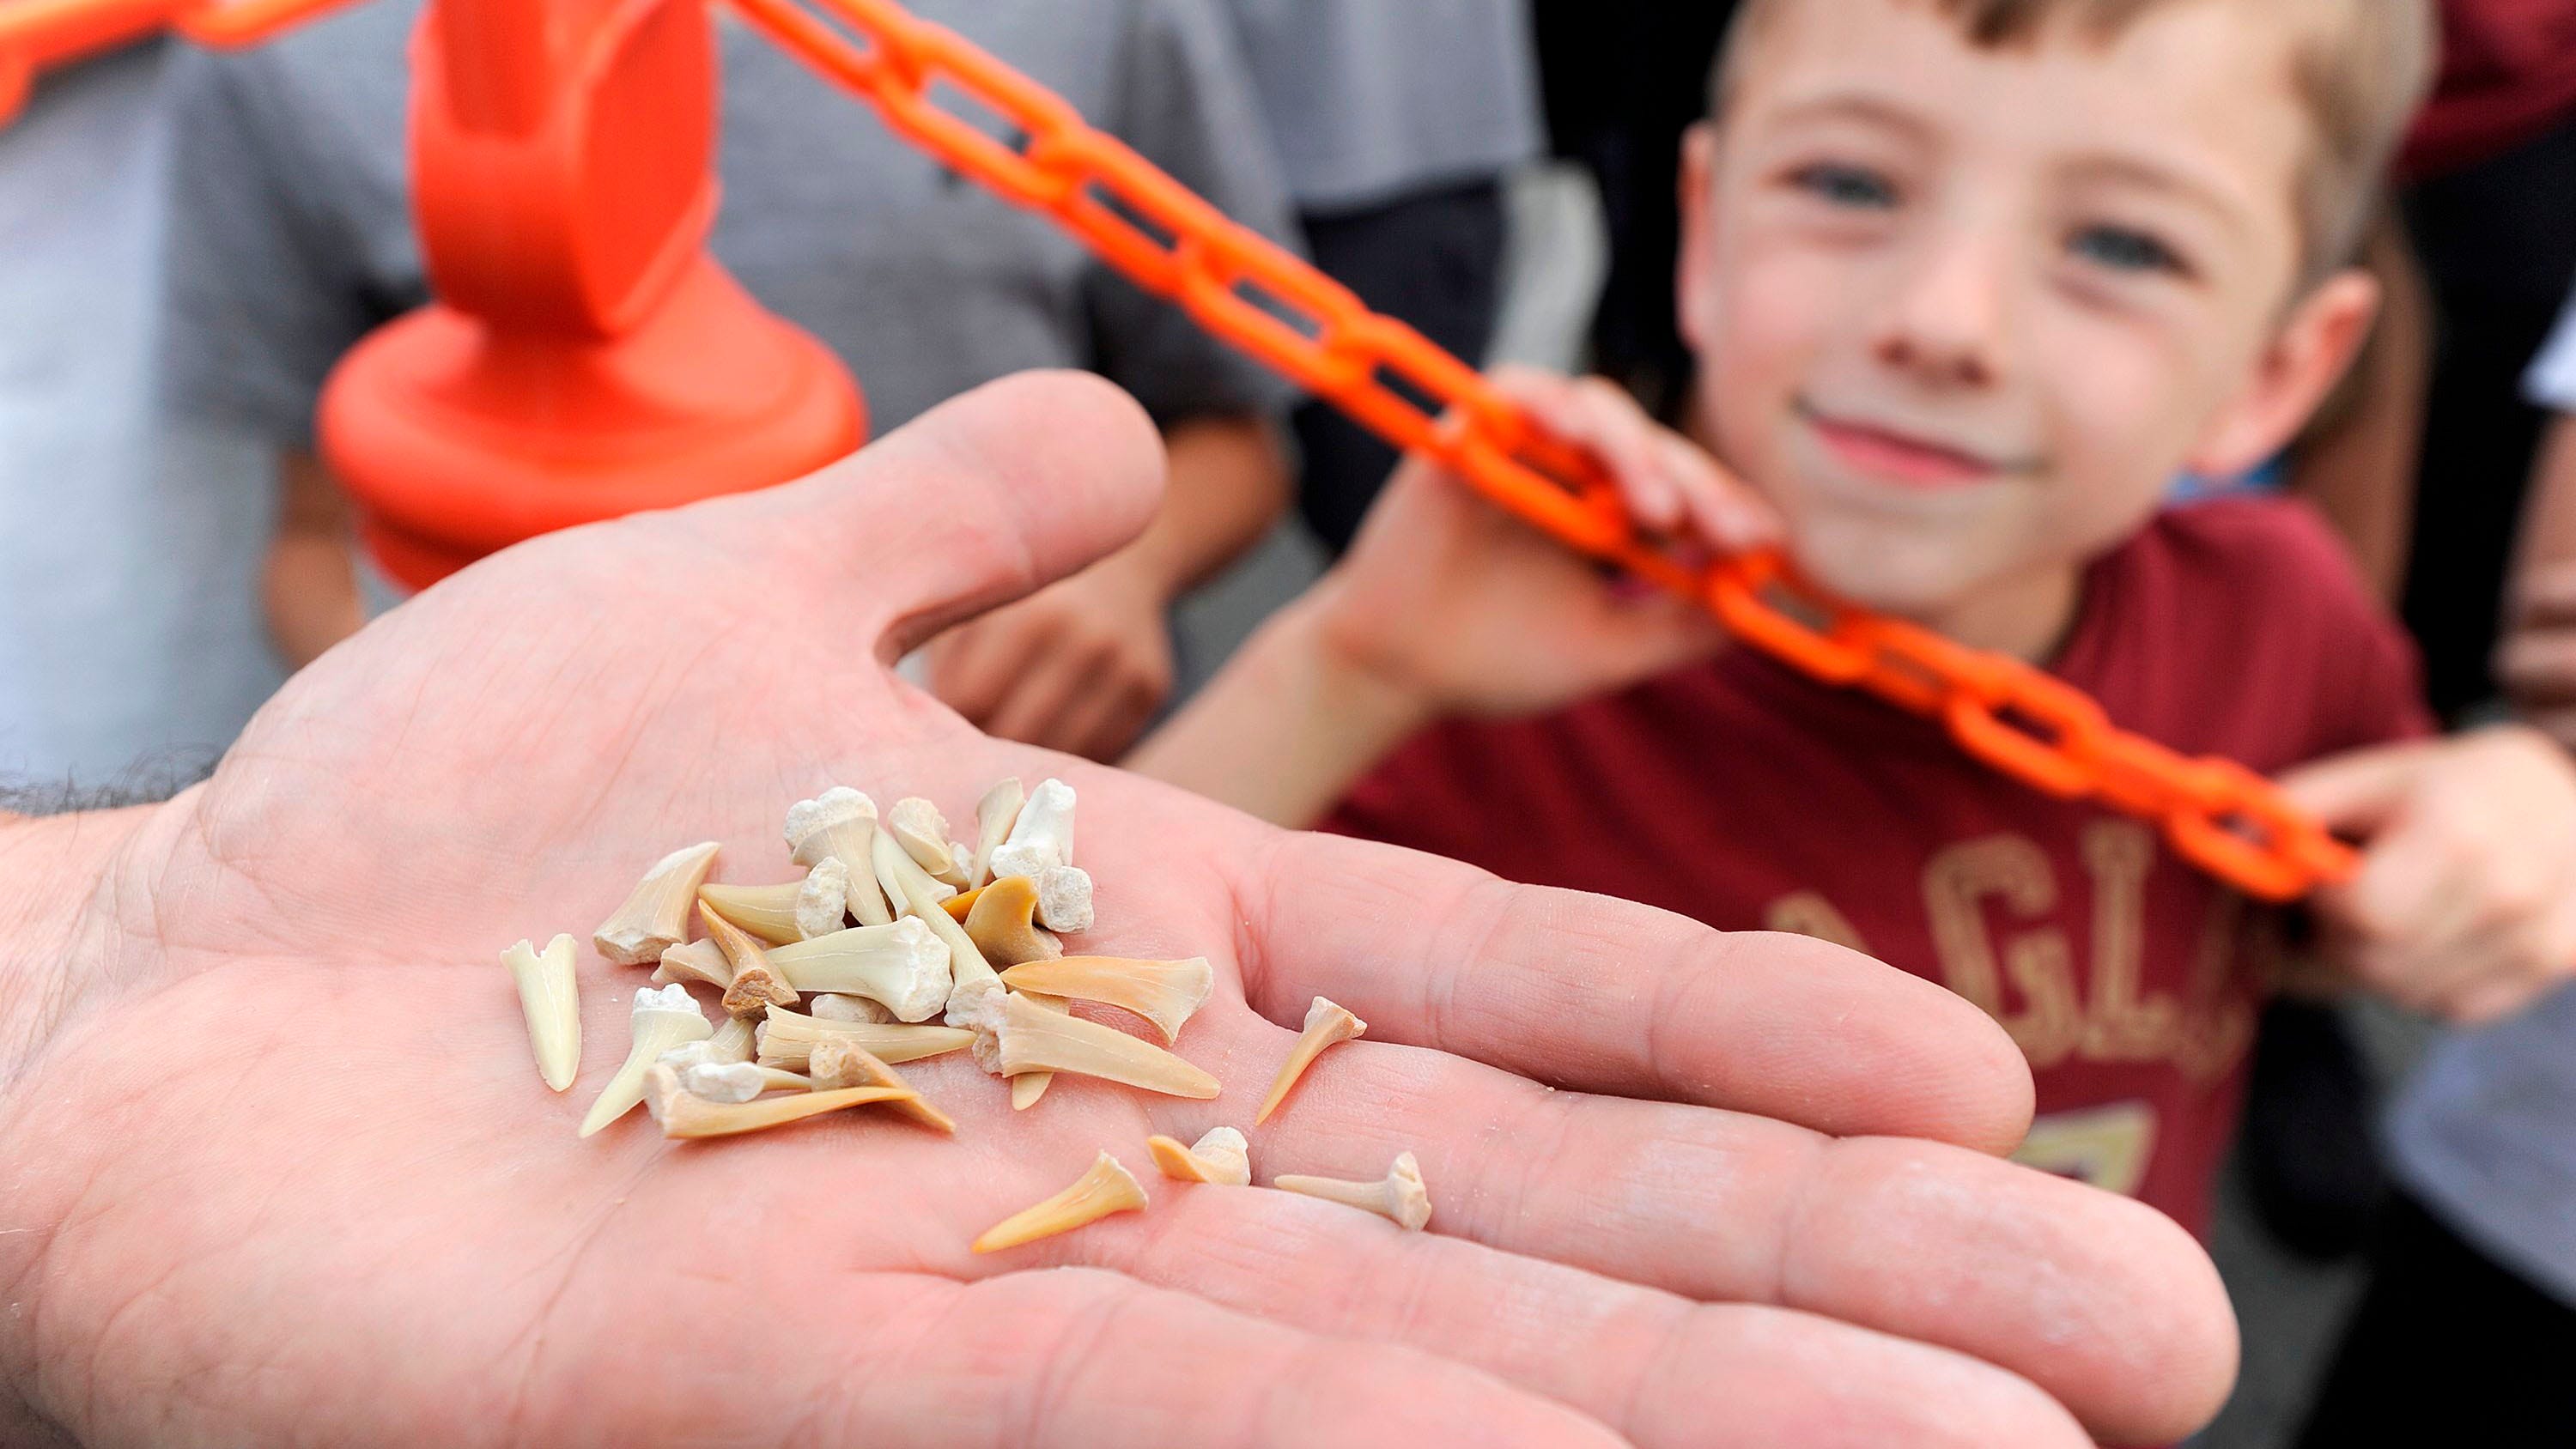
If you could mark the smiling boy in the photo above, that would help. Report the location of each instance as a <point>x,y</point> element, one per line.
<point>1970,282</point>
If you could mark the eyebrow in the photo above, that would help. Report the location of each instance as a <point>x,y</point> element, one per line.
<point>1839,106</point>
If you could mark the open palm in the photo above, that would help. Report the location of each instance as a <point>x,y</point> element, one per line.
<point>280,1169</point>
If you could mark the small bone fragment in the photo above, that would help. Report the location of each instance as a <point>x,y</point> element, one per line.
<point>1106,1188</point>
<point>1033,1039</point>
<point>920,897</point>
<point>833,1006</point>
<point>550,1005</point>
<point>1326,1023</point>
<point>1165,993</point>
<point>694,961</point>
<point>1042,836</point>
<point>766,911</point>
<point>739,1081</point>
<point>1064,898</point>
<point>756,985</point>
<point>655,916</point>
<point>788,1039</point>
<point>903,965</point>
<point>661,1020</point>
<point>841,823</point>
<point>995,814</point>
<point>922,831</point>
<point>1400,1198</point>
<point>823,899</point>
<point>1003,924</point>
<point>840,1063</point>
<point>685,1114</point>
<point>1222,1156</point>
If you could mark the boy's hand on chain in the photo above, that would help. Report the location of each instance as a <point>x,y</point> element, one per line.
<point>2465,905</point>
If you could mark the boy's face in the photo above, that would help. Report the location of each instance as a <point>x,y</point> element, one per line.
<point>1964,314</point>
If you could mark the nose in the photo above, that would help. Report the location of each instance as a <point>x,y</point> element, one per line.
<point>1945,322</point>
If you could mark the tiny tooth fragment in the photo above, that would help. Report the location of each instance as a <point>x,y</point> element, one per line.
<point>841,823</point>
<point>655,916</point>
<point>757,985</point>
<point>1400,1197</point>
<point>694,961</point>
<point>739,1081</point>
<point>1221,1156</point>
<point>1043,834</point>
<point>1165,993</point>
<point>920,897</point>
<point>1326,1023</point>
<point>1033,1039</point>
<point>548,1001</point>
<point>994,816</point>
<point>766,911</point>
<point>1106,1188</point>
<point>685,1114</point>
<point>839,1062</point>
<point>903,965</point>
<point>922,831</point>
<point>661,1020</point>
<point>788,1039</point>
<point>1003,924</point>
<point>1028,1087</point>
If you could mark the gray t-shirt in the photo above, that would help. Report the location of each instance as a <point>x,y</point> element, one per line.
<point>290,234</point>
<point>129,621</point>
<point>1370,99</point>
<point>2485,1131</point>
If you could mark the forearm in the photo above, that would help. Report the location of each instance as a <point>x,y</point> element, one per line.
<point>1228,484</point>
<point>1286,728</point>
<point>51,869</point>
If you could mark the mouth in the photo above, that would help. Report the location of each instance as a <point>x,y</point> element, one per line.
<point>1907,460</point>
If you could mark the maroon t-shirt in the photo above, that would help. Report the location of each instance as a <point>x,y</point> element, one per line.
<point>1749,797</point>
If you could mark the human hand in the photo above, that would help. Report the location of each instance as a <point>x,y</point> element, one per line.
<point>2465,904</point>
<point>2536,663</point>
<point>1466,610</point>
<point>1080,666</point>
<point>277,1167</point>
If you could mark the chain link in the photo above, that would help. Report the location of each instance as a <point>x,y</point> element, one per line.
<point>1256,295</point>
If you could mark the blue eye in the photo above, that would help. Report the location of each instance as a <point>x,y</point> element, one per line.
<point>2123,250</point>
<point>1851,186</point>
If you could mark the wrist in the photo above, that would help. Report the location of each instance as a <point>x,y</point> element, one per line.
<point>51,871</point>
<point>1320,654</point>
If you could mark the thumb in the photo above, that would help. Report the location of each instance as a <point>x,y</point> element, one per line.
<point>2356,792</point>
<point>983,499</point>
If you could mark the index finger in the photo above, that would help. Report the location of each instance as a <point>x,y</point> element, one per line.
<point>1604,995</point>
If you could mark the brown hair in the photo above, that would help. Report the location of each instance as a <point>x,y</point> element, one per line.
<point>2360,67</point>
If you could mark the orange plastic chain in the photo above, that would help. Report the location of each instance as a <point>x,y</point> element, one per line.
<point>38,33</point>
<point>1240,286</point>
<point>2220,816</point>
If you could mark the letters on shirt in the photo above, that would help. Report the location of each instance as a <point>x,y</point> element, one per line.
<point>1991,902</point>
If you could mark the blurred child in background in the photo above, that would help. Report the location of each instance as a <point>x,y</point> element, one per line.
<point>1969,282</point>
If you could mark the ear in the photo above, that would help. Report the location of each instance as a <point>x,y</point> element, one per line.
<point>2307,355</point>
<point>1695,262</point>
